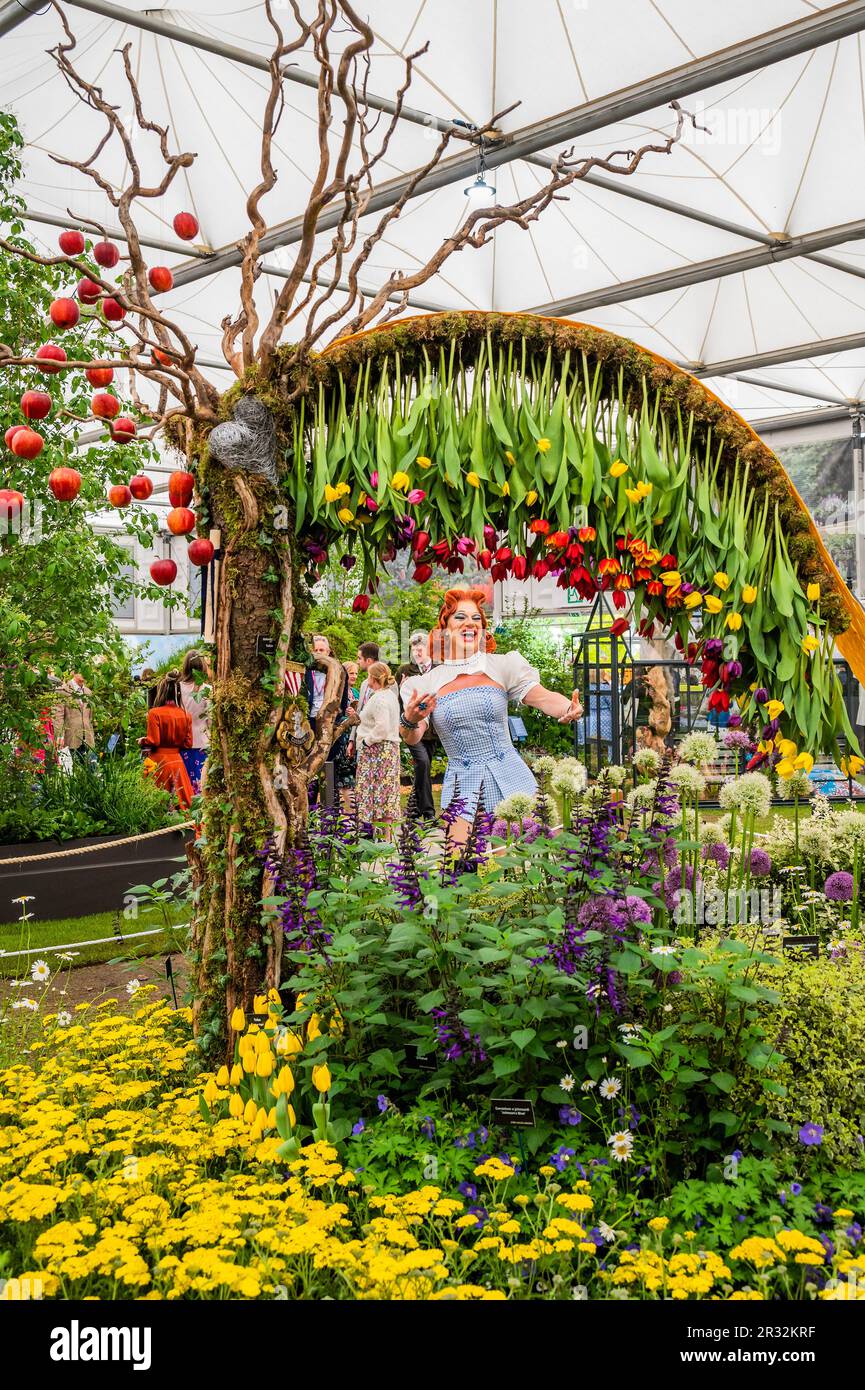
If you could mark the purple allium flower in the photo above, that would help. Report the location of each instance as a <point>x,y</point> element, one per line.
<point>674,884</point>
<point>359,1127</point>
<point>839,887</point>
<point>760,863</point>
<point>569,1115</point>
<point>637,909</point>
<point>811,1134</point>
<point>719,853</point>
<point>737,738</point>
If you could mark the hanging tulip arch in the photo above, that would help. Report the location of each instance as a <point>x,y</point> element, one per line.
<point>541,447</point>
<point>91,300</point>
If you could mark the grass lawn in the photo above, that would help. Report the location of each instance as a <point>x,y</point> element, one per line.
<point>38,937</point>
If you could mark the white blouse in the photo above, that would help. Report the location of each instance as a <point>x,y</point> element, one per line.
<point>379,718</point>
<point>511,671</point>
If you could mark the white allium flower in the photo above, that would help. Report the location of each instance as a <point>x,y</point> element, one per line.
<point>698,748</point>
<point>800,785</point>
<point>515,807</point>
<point>133,986</point>
<point>711,832</point>
<point>612,775</point>
<point>647,762</point>
<point>544,766</point>
<point>750,794</point>
<point>687,780</point>
<point>39,972</point>
<point>610,1087</point>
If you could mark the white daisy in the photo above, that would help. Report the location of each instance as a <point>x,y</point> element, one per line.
<point>39,972</point>
<point>133,986</point>
<point>64,1018</point>
<point>622,1144</point>
<point>663,950</point>
<point>588,1085</point>
<point>563,1043</point>
<point>67,955</point>
<point>606,1231</point>
<point>610,1087</point>
<point>629,1027</point>
<point>567,1083</point>
<point>24,898</point>
<point>25,1004</point>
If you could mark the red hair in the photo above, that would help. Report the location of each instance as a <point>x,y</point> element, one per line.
<point>453,599</point>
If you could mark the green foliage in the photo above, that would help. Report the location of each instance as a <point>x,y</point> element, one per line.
<point>398,608</point>
<point>521,632</point>
<point>109,796</point>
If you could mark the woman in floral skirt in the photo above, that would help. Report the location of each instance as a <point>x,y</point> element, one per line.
<point>378,755</point>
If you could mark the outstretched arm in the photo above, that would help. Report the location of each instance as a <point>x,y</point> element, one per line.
<point>415,720</point>
<point>552,703</point>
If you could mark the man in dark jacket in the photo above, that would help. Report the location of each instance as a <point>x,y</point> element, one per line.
<point>421,753</point>
<point>314,680</point>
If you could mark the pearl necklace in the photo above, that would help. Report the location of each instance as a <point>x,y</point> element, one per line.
<point>466,661</point>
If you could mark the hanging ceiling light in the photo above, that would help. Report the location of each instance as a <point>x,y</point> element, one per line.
<point>480,193</point>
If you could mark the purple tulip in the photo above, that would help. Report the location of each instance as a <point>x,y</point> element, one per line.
<point>761,695</point>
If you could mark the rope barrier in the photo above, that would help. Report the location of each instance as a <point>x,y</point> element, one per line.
<point>90,849</point>
<point>99,941</point>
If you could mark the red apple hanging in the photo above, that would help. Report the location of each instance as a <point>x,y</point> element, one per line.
<point>11,433</point>
<point>65,483</point>
<point>88,291</point>
<point>50,352</point>
<point>123,430</point>
<point>71,243</point>
<point>186,226</point>
<point>106,254</point>
<point>163,572</point>
<point>180,488</point>
<point>180,521</point>
<point>104,406</point>
<point>200,552</point>
<point>35,405</point>
<point>119,495</point>
<point>141,487</point>
<point>11,503</point>
<point>27,444</point>
<point>100,376</point>
<point>113,310</point>
<point>160,278</point>
<point>64,313</point>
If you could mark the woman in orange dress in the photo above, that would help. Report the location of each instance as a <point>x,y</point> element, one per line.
<point>169,728</point>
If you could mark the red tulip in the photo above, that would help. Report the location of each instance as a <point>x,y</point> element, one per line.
<point>499,572</point>
<point>519,567</point>
<point>719,699</point>
<point>415,497</point>
<point>441,550</point>
<point>618,627</point>
<point>361,602</point>
<point>50,352</point>
<point>539,528</point>
<point>27,444</point>
<point>200,551</point>
<point>504,554</point>
<point>370,504</point>
<point>35,405</point>
<point>419,542</point>
<point>485,559</point>
<point>587,533</point>
<point>489,536</point>
<point>163,572</point>
<point>422,574</point>
<point>540,569</point>
<point>348,562</point>
<point>466,546</point>
<point>559,539</point>
<point>668,562</point>
<point>71,243</point>
<point>373,478</point>
<point>65,483</point>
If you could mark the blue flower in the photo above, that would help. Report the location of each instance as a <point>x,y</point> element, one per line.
<point>569,1115</point>
<point>811,1134</point>
<point>359,1127</point>
<point>468,1189</point>
<point>795,1189</point>
<point>561,1158</point>
<point>382,1102</point>
<point>428,1128</point>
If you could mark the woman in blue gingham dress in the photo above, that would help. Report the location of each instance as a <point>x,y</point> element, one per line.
<point>466,694</point>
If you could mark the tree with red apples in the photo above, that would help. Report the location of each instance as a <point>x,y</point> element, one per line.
<point>240,452</point>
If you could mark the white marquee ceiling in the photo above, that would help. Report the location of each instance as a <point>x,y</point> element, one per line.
<point>784,153</point>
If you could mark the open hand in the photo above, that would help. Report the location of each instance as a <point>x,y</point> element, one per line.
<point>419,707</point>
<point>574,710</point>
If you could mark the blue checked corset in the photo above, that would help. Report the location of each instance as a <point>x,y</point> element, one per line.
<point>472,724</point>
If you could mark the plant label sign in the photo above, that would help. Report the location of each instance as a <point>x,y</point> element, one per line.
<point>515,1113</point>
<point>801,945</point>
<point>265,646</point>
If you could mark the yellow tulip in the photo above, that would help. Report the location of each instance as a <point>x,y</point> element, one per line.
<point>733,621</point>
<point>805,762</point>
<point>286,1080</point>
<point>250,1111</point>
<point>259,1004</point>
<point>238,1020</point>
<point>785,768</point>
<point>256,1134</point>
<point>222,1076</point>
<point>422,461</point>
<point>749,593</point>
<point>713,603</point>
<point>264,1064</point>
<point>774,708</point>
<point>248,1060</point>
<point>509,456</point>
<point>813,592</point>
<point>633,494</point>
<point>644,489</point>
<point>211,1091</point>
<point>321,1078</point>
<point>618,468</point>
<point>288,1043</point>
<point>544,446</point>
<point>343,489</point>
<point>473,480</point>
<point>721,579</point>
<point>345,514</point>
<point>786,747</point>
<point>506,489</point>
<point>313,1028</point>
<point>331,494</point>
<point>671,580</point>
<point>693,599</point>
<point>261,1117</point>
<point>850,766</point>
<point>400,481</point>
<point>235,1106</point>
<point>274,996</point>
<point>236,1074</point>
<point>531,498</point>
<point>292,1118</point>
<point>262,1043</point>
<point>809,644</point>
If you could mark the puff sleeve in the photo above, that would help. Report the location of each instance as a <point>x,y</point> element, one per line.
<point>518,677</point>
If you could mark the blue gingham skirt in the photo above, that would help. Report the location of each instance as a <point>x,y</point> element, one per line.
<point>473,726</point>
